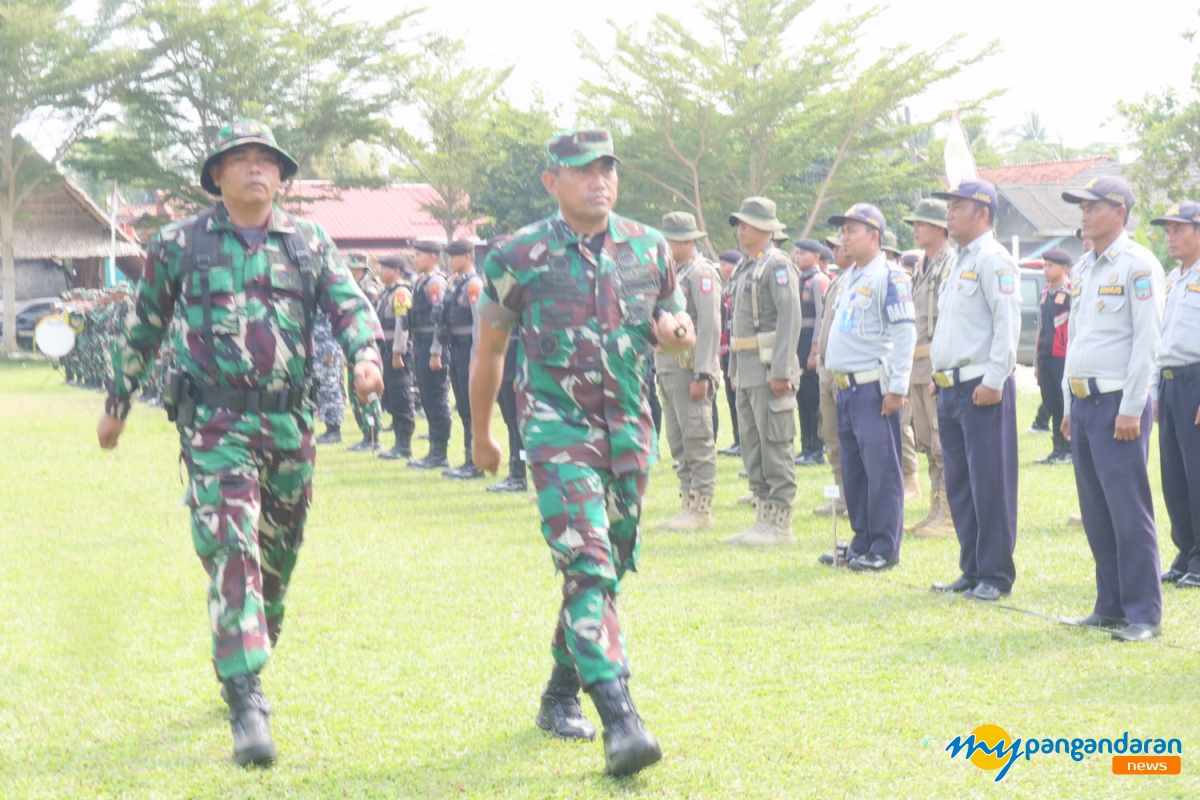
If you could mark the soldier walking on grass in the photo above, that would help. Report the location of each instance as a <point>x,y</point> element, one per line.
<point>590,293</point>
<point>246,278</point>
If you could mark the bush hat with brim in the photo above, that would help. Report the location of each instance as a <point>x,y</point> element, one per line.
<point>930,211</point>
<point>680,226</point>
<point>237,134</point>
<point>758,212</point>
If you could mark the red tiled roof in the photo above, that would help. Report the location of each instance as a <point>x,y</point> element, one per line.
<point>1042,172</point>
<point>386,215</point>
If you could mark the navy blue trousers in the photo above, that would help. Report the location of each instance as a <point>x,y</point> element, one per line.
<point>1117,509</point>
<point>979,458</point>
<point>1179,450</point>
<point>1179,453</point>
<point>871,472</point>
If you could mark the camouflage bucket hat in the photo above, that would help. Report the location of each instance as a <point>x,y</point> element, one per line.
<point>579,147</point>
<point>238,133</point>
<point>758,212</point>
<point>680,226</point>
<point>890,244</point>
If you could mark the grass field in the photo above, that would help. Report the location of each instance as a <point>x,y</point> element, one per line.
<point>416,642</point>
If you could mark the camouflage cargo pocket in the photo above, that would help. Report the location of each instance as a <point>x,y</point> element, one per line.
<point>222,507</point>
<point>287,298</point>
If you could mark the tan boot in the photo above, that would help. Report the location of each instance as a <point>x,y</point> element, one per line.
<point>702,510</point>
<point>912,489</point>
<point>683,518</point>
<point>777,531</point>
<point>937,523</point>
<point>760,523</point>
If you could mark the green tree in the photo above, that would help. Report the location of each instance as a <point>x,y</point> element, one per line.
<point>709,117</point>
<point>510,194</point>
<point>322,82</point>
<point>452,152</point>
<point>57,73</point>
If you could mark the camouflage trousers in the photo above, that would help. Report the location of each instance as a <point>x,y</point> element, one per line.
<point>331,391</point>
<point>356,407</point>
<point>590,520</point>
<point>249,500</point>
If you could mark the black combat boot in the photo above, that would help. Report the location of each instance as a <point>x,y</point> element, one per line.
<point>332,435</point>
<point>515,482</point>
<point>365,446</point>
<point>628,746</point>
<point>560,713</point>
<point>402,449</point>
<point>248,712</point>
<point>436,459</point>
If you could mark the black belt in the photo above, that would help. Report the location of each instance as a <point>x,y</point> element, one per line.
<point>1186,371</point>
<point>462,333</point>
<point>251,401</point>
<point>429,331</point>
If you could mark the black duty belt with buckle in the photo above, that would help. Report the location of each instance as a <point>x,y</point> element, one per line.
<point>1176,373</point>
<point>251,401</point>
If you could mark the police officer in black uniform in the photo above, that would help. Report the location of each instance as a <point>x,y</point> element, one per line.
<point>456,331</point>
<point>429,293</point>
<point>397,362</point>
<point>813,283</point>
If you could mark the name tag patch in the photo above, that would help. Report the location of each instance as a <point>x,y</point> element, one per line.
<point>1116,290</point>
<point>969,276</point>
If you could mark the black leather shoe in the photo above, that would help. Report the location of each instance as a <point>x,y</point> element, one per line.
<point>560,712</point>
<point>1050,459</point>
<point>1189,581</point>
<point>872,562</point>
<point>735,450</point>
<point>743,474</point>
<point>332,435</point>
<point>1095,620</point>
<point>828,559</point>
<point>362,447</point>
<point>985,592</point>
<point>431,461</point>
<point>396,453</point>
<point>1172,575</point>
<point>1138,632</point>
<point>960,584</point>
<point>466,472</point>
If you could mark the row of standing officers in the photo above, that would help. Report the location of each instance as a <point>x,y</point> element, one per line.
<point>942,340</point>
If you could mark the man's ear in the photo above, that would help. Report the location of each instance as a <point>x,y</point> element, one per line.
<point>550,181</point>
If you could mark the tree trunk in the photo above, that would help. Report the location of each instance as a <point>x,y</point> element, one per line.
<point>9,260</point>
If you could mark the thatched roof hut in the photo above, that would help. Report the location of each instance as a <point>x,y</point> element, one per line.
<point>59,223</point>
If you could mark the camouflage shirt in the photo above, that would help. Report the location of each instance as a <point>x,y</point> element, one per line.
<point>257,311</point>
<point>586,330</point>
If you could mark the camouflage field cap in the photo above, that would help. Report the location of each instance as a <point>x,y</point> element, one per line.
<point>579,147</point>
<point>357,260</point>
<point>680,226</point>
<point>758,212</point>
<point>238,133</point>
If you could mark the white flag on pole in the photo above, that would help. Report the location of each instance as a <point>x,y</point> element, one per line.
<point>960,164</point>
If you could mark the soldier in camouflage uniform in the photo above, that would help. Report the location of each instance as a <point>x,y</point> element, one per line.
<point>590,294</point>
<point>245,278</point>
<point>688,380</point>
<point>360,269</point>
<point>331,386</point>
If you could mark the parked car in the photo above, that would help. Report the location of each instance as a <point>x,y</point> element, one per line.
<point>1032,281</point>
<point>29,314</point>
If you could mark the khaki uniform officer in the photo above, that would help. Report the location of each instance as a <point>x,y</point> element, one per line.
<point>688,379</point>
<point>765,369</point>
